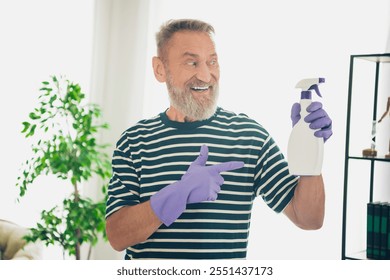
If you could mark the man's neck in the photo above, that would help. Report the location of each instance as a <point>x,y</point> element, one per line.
<point>175,115</point>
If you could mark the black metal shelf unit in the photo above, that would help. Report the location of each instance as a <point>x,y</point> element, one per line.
<point>378,59</point>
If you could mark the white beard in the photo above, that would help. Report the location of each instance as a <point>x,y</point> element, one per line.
<point>194,106</point>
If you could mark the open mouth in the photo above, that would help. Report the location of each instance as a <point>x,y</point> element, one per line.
<point>200,89</point>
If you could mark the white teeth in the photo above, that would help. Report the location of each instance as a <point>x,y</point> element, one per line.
<point>200,88</point>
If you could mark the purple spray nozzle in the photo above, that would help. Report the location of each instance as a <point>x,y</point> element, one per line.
<point>316,89</point>
<point>306,85</point>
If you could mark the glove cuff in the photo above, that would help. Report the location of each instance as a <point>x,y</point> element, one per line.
<point>169,203</point>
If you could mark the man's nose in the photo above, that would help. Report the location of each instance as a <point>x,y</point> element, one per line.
<point>204,74</point>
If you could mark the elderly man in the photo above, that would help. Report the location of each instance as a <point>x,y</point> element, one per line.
<point>184,181</point>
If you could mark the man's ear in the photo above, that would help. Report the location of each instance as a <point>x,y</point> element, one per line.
<point>159,69</point>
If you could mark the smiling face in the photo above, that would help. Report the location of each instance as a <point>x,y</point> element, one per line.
<point>191,71</point>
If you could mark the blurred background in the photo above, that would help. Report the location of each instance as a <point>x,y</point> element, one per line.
<point>264,47</point>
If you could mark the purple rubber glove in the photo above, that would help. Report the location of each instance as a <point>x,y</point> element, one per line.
<point>317,118</point>
<point>199,183</point>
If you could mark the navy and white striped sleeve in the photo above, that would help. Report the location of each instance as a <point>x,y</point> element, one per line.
<point>123,189</point>
<point>273,182</point>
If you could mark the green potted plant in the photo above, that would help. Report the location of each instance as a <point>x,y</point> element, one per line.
<point>67,148</point>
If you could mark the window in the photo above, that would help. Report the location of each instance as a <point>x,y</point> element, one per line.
<point>38,39</point>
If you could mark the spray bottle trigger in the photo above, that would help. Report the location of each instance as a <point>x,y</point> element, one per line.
<point>316,89</point>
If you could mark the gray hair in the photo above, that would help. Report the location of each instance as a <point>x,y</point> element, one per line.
<point>169,28</point>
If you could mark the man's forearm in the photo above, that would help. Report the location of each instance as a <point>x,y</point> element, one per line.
<point>307,207</point>
<point>131,225</point>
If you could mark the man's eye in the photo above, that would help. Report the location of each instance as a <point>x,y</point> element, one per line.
<point>213,62</point>
<point>192,63</point>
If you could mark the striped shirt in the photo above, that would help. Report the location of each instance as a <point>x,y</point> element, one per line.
<point>157,152</point>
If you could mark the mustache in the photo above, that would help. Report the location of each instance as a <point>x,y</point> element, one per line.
<point>198,83</point>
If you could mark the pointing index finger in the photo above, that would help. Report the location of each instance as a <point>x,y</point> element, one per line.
<point>227,166</point>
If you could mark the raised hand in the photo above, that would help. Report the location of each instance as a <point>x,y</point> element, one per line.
<point>317,118</point>
<point>199,183</point>
<point>204,181</point>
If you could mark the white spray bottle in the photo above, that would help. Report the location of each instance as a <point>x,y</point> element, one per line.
<point>305,151</point>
